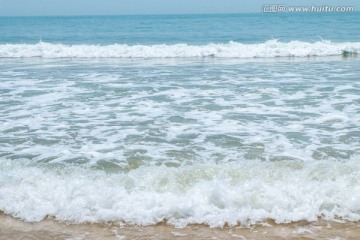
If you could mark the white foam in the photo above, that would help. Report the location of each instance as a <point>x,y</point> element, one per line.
<point>245,192</point>
<point>117,117</point>
<point>268,49</point>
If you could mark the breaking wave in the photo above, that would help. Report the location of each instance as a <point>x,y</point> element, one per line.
<point>245,193</point>
<point>268,49</point>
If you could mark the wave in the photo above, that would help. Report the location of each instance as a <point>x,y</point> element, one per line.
<point>268,49</point>
<point>245,193</point>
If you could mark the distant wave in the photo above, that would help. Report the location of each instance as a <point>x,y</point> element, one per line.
<point>268,49</point>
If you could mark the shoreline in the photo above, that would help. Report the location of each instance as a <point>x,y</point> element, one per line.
<point>11,228</point>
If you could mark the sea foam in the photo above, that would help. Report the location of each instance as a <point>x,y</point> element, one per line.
<point>269,49</point>
<point>246,192</point>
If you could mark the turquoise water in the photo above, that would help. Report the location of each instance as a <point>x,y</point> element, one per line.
<point>208,119</point>
<point>172,29</point>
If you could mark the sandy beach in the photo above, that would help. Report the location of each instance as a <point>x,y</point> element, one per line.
<point>11,228</point>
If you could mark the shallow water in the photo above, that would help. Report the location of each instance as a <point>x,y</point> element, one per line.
<point>171,122</point>
<point>186,141</point>
<point>48,229</point>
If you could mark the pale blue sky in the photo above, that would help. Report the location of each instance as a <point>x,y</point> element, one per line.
<point>120,7</point>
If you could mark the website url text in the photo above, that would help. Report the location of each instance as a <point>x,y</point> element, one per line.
<point>279,8</point>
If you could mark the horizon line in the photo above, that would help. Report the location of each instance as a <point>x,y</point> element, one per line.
<point>173,14</point>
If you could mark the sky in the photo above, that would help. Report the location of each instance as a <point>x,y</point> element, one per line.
<point>122,7</point>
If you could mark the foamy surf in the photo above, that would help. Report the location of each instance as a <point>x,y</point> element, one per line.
<point>268,49</point>
<point>195,143</point>
<point>245,192</point>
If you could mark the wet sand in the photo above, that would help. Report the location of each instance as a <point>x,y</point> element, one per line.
<point>11,228</point>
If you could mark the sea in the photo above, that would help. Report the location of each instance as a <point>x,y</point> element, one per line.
<point>218,119</point>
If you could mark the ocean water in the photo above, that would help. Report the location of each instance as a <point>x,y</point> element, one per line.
<point>209,119</point>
